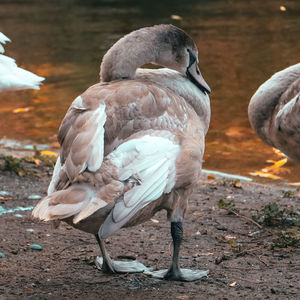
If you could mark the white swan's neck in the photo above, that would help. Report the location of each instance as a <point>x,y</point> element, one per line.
<point>266,98</point>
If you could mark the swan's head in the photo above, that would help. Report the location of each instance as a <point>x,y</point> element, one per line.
<point>176,50</point>
<point>164,45</point>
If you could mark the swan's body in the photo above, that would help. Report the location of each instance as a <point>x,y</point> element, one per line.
<point>133,145</point>
<point>13,78</point>
<point>274,111</point>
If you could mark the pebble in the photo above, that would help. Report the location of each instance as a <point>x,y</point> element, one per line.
<point>34,197</point>
<point>2,255</point>
<point>36,247</point>
<point>30,230</point>
<point>18,216</point>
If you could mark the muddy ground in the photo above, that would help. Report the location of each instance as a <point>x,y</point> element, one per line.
<point>244,260</point>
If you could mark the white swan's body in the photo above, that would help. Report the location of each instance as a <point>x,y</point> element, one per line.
<point>12,77</point>
<point>133,144</point>
<point>274,111</point>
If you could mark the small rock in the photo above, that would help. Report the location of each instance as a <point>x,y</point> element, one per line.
<point>34,197</point>
<point>273,291</point>
<point>2,255</point>
<point>36,247</point>
<point>30,230</point>
<point>18,216</point>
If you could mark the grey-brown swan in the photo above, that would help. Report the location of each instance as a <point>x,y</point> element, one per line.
<point>133,144</point>
<point>13,78</point>
<point>274,111</point>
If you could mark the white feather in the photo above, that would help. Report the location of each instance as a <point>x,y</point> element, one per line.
<point>12,77</point>
<point>151,159</point>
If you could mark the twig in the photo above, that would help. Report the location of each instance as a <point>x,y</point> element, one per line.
<point>244,217</point>
<point>264,262</point>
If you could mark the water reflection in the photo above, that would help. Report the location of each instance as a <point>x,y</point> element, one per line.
<point>241,43</point>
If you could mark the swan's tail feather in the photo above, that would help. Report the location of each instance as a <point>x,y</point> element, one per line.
<point>79,200</point>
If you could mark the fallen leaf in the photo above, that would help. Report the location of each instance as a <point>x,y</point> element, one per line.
<point>276,165</point>
<point>36,161</point>
<point>282,8</point>
<point>6,198</point>
<point>294,183</point>
<point>154,220</point>
<point>50,153</point>
<point>237,185</point>
<point>197,214</point>
<point>206,253</point>
<point>263,174</point>
<point>22,109</point>
<point>176,17</point>
<point>183,297</point>
<point>278,152</point>
<point>230,237</point>
<point>210,176</point>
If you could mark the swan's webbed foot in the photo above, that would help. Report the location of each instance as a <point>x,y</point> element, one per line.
<point>180,275</point>
<point>107,265</point>
<point>174,272</point>
<point>113,266</point>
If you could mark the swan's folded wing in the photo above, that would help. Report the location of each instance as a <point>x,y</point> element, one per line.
<point>150,161</point>
<point>288,118</point>
<point>81,136</point>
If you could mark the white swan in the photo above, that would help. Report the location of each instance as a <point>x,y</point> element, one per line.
<point>274,111</point>
<point>133,144</point>
<point>12,77</point>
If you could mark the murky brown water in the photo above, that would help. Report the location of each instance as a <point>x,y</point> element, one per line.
<point>241,43</point>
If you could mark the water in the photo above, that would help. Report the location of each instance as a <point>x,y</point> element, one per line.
<point>241,44</point>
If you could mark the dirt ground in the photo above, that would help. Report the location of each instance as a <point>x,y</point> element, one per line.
<point>237,252</point>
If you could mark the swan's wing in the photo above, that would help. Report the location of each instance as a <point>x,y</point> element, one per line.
<point>150,162</point>
<point>81,136</point>
<point>288,118</point>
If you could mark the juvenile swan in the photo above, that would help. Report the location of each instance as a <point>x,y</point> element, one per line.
<point>133,144</point>
<point>274,111</point>
<point>12,77</point>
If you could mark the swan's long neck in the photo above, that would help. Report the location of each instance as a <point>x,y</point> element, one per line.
<point>129,53</point>
<point>266,98</point>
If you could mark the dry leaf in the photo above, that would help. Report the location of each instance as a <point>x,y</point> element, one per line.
<point>263,174</point>
<point>36,161</point>
<point>6,198</point>
<point>276,165</point>
<point>154,220</point>
<point>176,17</point>
<point>294,183</point>
<point>22,109</point>
<point>278,152</point>
<point>230,237</point>
<point>206,253</point>
<point>50,153</point>
<point>210,176</point>
<point>282,8</point>
<point>198,214</point>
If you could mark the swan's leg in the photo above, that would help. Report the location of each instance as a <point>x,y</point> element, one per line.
<point>174,272</point>
<point>107,265</point>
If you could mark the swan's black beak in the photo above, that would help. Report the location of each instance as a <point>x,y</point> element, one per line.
<point>194,75</point>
